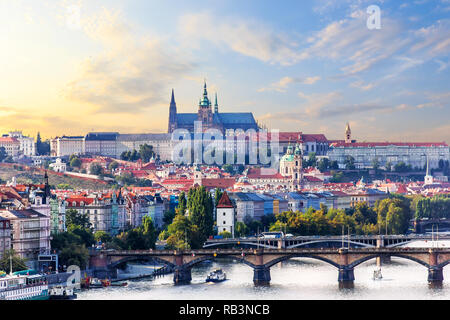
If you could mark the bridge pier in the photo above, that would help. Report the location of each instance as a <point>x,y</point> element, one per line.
<point>182,275</point>
<point>435,277</point>
<point>346,278</point>
<point>261,276</point>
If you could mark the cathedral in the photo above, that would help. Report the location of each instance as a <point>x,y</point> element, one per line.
<point>209,118</point>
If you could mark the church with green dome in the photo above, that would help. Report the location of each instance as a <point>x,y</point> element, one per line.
<point>291,166</point>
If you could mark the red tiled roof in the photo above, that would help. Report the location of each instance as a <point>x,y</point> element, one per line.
<point>225,201</point>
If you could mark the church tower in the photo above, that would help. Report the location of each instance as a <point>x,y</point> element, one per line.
<point>172,114</point>
<point>297,173</point>
<point>205,114</point>
<point>216,106</point>
<point>348,134</point>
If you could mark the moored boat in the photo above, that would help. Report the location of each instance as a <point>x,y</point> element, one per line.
<point>24,287</point>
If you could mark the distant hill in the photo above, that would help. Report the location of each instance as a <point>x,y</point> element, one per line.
<point>26,174</point>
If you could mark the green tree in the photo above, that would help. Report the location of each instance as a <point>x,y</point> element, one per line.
<point>18,264</point>
<point>3,154</point>
<point>113,165</point>
<point>200,206</point>
<point>146,152</point>
<point>323,164</point>
<point>75,162</point>
<point>95,169</point>
<point>349,163</point>
<point>102,236</point>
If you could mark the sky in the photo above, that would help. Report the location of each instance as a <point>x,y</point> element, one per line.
<point>72,66</point>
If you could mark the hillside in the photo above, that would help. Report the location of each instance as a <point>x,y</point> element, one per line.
<point>25,174</point>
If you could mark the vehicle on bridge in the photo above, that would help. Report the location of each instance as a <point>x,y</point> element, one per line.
<point>272,235</point>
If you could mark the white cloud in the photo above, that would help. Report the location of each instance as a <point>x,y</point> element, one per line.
<point>249,38</point>
<point>131,74</point>
<point>283,83</point>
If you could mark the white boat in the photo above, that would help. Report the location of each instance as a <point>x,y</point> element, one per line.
<point>216,276</point>
<point>377,274</point>
<point>62,293</point>
<point>24,287</point>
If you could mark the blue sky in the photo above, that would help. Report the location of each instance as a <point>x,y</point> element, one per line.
<point>307,66</point>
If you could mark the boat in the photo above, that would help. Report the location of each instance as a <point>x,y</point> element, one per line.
<point>24,287</point>
<point>92,283</point>
<point>62,293</point>
<point>216,276</point>
<point>377,274</point>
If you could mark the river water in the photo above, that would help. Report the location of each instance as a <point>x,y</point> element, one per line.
<point>299,278</point>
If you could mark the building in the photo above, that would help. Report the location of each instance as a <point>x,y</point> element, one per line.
<point>66,146</point>
<point>30,233</point>
<point>225,215</point>
<point>11,145</point>
<point>208,117</point>
<point>161,142</point>
<point>27,144</point>
<point>291,166</point>
<point>58,166</point>
<point>365,154</point>
<point>101,143</point>
<point>5,236</point>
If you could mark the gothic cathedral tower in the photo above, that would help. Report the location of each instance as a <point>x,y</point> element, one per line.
<point>205,114</point>
<point>172,114</point>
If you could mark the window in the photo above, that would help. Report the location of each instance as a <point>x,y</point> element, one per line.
<point>224,213</point>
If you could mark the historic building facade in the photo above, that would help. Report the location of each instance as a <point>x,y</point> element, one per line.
<point>366,153</point>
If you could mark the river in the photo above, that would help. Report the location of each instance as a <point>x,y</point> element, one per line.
<point>299,278</point>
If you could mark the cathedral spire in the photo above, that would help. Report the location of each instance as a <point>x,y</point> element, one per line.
<point>172,100</point>
<point>216,106</point>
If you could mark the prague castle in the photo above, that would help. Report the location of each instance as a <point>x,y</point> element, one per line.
<point>209,118</point>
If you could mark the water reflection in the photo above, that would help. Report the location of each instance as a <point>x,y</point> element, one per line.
<point>299,278</point>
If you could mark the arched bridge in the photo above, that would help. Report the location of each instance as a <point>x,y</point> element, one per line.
<point>319,241</point>
<point>344,259</point>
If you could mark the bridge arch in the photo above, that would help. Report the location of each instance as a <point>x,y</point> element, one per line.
<point>287,257</point>
<point>204,258</point>
<point>126,259</point>
<point>358,244</point>
<point>370,257</point>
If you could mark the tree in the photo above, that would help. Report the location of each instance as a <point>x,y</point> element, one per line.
<point>240,229</point>
<point>225,234</point>
<point>228,168</point>
<point>200,206</point>
<point>3,154</point>
<point>113,165</point>
<point>349,163</point>
<point>75,219</point>
<point>323,164</point>
<point>217,195</point>
<point>168,217</point>
<point>95,169</point>
<point>75,162</point>
<point>102,236</point>
<point>18,264</point>
<point>146,152</point>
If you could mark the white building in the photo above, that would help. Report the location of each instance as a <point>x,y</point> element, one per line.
<point>27,144</point>
<point>225,215</point>
<point>58,166</point>
<point>366,153</point>
<point>11,145</point>
<point>66,146</point>
<point>30,233</point>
